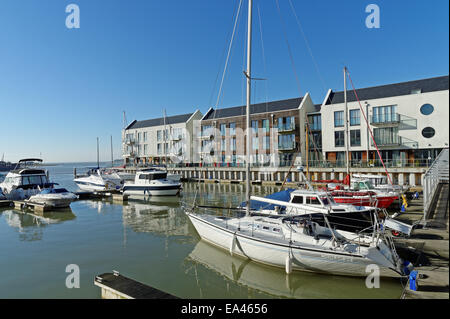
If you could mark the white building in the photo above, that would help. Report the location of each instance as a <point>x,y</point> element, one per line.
<point>152,141</point>
<point>409,122</point>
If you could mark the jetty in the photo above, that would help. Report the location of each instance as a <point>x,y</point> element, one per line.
<point>115,286</point>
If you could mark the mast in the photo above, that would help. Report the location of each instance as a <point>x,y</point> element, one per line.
<point>346,121</point>
<point>98,159</point>
<point>165,137</point>
<point>248,75</point>
<point>112,156</point>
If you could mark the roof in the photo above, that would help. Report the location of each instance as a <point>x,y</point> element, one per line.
<point>390,90</point>
<point>282,105</point>
<point>160,121</point>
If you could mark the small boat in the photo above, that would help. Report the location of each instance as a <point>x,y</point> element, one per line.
<point>99,180</point>
<point>378,182</point>
<point>152,183</point>
<point>25,180</point>
<point>54,197</point>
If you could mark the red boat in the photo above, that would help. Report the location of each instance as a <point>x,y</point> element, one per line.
<point>361,198</point>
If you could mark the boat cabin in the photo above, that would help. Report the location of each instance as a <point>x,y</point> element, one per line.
<point>311,198</point>
<point>27,178</point>
<point>147,176</point>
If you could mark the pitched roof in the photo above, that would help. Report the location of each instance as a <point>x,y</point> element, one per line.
<point>160,121</point>
<point>390,90</point>
<point>274,106</point>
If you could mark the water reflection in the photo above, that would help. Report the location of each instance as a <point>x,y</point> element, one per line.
<point>158,215</point>
<point>31,226</point>
<point>276,283</point>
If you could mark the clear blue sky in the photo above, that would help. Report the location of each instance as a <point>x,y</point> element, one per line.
<point>61,88</point>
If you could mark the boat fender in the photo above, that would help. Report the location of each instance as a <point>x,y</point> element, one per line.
<point>288,264</point>
<point>233,244</point>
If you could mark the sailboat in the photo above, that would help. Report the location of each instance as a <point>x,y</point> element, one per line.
<point>296,243</point>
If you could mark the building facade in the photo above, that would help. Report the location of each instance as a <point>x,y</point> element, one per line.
<point>166,140</point>
<point>409,123</point>
<point>277,132</point>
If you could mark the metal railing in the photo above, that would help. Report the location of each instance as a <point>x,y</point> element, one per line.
<point>435,175</point>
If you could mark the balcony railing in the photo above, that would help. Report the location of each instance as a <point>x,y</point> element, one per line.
<point>396,141</point>
<point>385,119</point>
<point>286,128</point>
<point>289,146</point>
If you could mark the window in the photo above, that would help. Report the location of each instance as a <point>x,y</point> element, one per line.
<point>145,136</point>
<point>159,148</point>
<point>355,118</point>
<point>312,200</point>
<point>265,126</point>
<point>315,122</point>
<point>223,145</point>
<point>386,136</point>
<point>286,123</point>
<point>338,118</point>
<point>255,127</point>
<point>255,143</point>
<point>339,139</point>
<point>426,109</point>
<point>297,200</point>
<point>428,132</point>
<point>385,114</point>
<point>266,142</point>
<point>233,144</point>
<point>232,128</point>
<point>145,149</point>
<point>355,138</point>
<point>159,135</point>
<point>286,142</point>
<point>223,129</point>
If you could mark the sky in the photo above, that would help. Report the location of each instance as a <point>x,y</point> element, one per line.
<point>62,88</point>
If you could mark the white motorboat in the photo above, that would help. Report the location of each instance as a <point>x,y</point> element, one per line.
<point>378,182</point>
<point>99,180</point>
<point>54,197</point>
<point>170,176</point>
<point>152,183</point>
<point>25,180</point>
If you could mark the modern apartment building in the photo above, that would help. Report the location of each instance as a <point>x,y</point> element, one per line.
<point>155,140</point>
<point>277,132</point>
<point>409,121</point>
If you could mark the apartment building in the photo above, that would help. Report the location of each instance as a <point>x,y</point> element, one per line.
<point>165,140</point>
<point>409,122</point>
<point>277,132</point>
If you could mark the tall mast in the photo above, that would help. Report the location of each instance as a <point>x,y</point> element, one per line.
<point>112,156</point>
<point>248,75</point>
<point>165,137</point>
<point>346,121</point>
<point>98,159</point>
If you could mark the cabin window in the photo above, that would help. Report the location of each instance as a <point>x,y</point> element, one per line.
<point>325,201</point>
<point>265,228</point>
<point>297,200</point>
<point>312,200</point>
<point>276,230</point>
<point>153,176</point>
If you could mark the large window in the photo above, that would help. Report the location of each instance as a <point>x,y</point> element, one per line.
<point>255,143</point>
<point>338,118</point>
<point>223,129</point>
<point>339,139</point>
<point>355,138</point>
<point>233,144</point>
<point>223,145</point>
<point>286,142</point>
<point>355,118</point>
<point>145,136</point>
<point>159,136</point>
<point>232,129</point>
<point>266,143</point>
<point>385,114</point>
<point>315,122</point>
<point>265,126</point>
<point>255,127</point>
<point>286,123</point>
<point>386,136</point>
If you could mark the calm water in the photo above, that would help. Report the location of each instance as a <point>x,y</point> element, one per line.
<point>151,241</point>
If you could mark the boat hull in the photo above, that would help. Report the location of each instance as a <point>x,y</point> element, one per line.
<point>380,202</point>
<point>273,254</point>
<point>171,190</point>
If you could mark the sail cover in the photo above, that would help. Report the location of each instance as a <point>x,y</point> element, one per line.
<point>284,195</point>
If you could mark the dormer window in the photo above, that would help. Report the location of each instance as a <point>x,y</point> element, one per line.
<point>416,91</point>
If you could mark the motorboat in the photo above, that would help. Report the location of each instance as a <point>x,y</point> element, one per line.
<point>379,182</point>
<point>152,183</point>
<point>170,176</point>
<point>54,197</point>
<point>99,180</point>
<point>25,180</point>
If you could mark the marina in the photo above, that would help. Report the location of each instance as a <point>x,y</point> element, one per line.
<point>281,186</point>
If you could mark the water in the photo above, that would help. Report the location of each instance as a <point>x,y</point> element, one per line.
<point>151,241</point>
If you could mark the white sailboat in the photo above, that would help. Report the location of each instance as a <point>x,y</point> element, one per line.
<point>295,242</point>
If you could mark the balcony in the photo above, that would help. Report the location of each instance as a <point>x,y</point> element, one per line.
<point>129,141</point>
<point>286,128</point>
<point>396,141</point>
<point>388,119</point>
<point>176,137</point>
<point>289,146</point>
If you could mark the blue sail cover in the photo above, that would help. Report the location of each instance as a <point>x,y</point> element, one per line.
<point>284,196</point>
